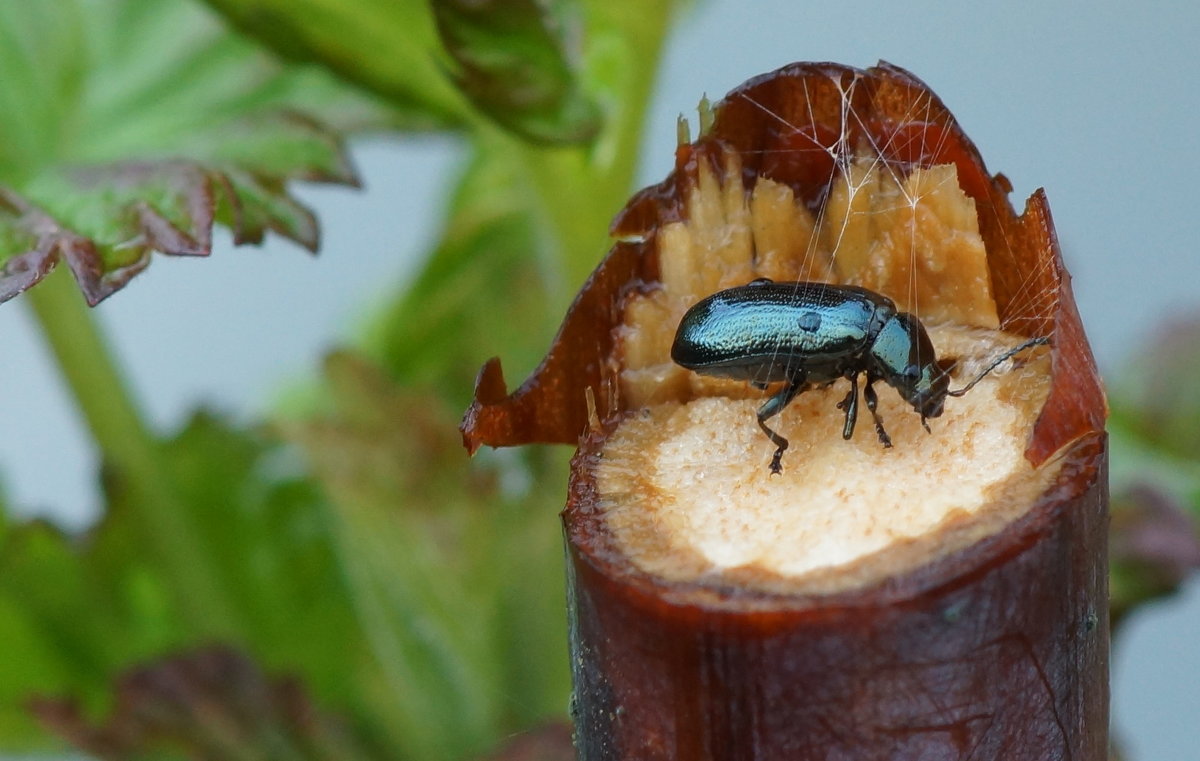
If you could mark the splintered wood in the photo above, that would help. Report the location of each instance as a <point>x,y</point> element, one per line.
<point>684,481</point>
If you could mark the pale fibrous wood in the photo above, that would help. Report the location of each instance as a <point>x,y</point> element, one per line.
<point>684,485</point>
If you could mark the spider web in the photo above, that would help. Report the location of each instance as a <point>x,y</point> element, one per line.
<point>875,197</point>
<point>857,157</point>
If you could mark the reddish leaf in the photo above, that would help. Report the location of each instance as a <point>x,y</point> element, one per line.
<point>1154,545</point>
<point>211,704</point>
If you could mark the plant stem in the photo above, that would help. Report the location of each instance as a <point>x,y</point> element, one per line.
<point>127,445</point>
<point>581,189</point>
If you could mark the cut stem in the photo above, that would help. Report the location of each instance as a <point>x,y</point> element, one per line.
<point>868,602</point>
<point>997,650</point>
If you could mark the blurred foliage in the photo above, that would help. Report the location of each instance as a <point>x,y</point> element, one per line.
<point>550,742</point>
<point>380,595</point>
<point>1155,435</point>
<point>214,704</point>
<point>1155,401</point>
<point>487,241</point>
<point>388,47</point>
<point>512,65</point>
<point>1153,547</point>
<point>94,603</point>
<point>460,593</point>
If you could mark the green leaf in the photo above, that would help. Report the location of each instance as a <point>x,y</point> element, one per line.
<point>389,47</point>
<point>421,605</point>
<point>516,60</point>
<point>131,127</point>
<point>77,609</point>
<point>457,580</point>
<point>33,654</point>
<point>513,66</point>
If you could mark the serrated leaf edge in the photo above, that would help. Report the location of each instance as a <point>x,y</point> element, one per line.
<point>57,243</point>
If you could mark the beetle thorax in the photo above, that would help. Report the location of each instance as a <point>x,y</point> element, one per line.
<point>903,357</point>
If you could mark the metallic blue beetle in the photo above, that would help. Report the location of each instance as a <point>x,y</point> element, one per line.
<point>811,334</point>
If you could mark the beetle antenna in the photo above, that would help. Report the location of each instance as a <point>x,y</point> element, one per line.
<point>996,363</point>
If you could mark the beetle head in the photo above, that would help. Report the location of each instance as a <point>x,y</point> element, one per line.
<point>904,358</point>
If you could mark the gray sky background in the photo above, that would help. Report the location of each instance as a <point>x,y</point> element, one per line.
<point>1097,102</point>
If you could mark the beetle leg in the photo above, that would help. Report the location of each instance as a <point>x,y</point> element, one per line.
<point>759,385</point>
<point>872,402</point>
<point>773,407</point>
<point>850,405</point>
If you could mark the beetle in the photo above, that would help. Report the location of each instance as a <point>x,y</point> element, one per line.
<point>809,334</point>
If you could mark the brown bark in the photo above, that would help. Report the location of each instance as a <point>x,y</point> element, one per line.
<point>999,651</point>
<point>994,646</point>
